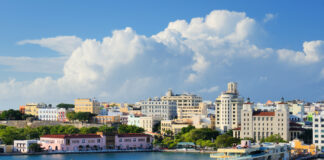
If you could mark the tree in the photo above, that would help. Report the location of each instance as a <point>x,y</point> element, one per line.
<point>71,116</point>
<point>186,129</point>
<point>64,105</point>
<point>87,130</point>
<point>35,148</point>
<point>225,140</point>
<point>157,127</point>
<point>273,138</point>
<point>129,129</point>
<point>13,115</point>
<point>107,130</point>
<point>81,116</point>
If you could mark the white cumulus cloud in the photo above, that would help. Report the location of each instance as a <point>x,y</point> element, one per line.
<point>268,17</point>
<point>313,53</point>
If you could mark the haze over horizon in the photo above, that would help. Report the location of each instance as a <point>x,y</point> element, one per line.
<point>128,51</point>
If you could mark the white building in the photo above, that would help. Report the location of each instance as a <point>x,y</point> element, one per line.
<point>318,131</point>
<point>47,114</point>
<point>133,120</point>
<point>187,104</point>
<point>228,108</point>
<point>159,109</point>
<point>23,145</point>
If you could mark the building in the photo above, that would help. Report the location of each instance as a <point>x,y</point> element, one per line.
<point>32,108</point>
<point>228,108</point>
<point>160,109</point>
<point>174,126</point>
<point>133,141</point>
<point>202,121</point>
<point>299,148</point>
<point>73,142</point>
<point>61,114</point>
<point>133,120</point>
<point>147,123</point>
<point>258,124</point>
<point>47,114</point>
<point>106,119</point>
<point>22,109</point>
<point>318,131</point>
<point>87,105</point>
<point>23,145</point>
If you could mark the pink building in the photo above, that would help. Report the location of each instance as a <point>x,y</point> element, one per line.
<point>133,141</point>
<point>73,142</point>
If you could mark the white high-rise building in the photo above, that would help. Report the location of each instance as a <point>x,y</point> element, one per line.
<point>318,131</point>
<point>228,108</point>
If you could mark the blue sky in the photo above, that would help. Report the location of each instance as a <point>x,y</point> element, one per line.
<point>33,71</point>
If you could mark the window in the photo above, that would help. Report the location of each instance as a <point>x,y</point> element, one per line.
<point>83,140</point>
<point>316,125</point>
<point>316,136</point>
<point>98,140</point>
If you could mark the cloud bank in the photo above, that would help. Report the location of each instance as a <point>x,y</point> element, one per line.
<point>128,67</point>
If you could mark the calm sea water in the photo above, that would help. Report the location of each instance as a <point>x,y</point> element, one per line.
<point>114,156</point>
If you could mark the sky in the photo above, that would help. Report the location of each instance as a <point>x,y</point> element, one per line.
<point>127,51</point>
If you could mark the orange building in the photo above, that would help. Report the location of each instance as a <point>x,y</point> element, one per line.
<point>22,109</point>
<point>298,148</point>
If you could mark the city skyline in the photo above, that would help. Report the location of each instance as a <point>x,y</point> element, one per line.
<point>55,53</point>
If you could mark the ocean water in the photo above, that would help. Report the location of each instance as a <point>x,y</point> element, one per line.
<point>114,156</point>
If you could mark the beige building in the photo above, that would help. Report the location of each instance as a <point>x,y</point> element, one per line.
<point>106,119</point>
<point>187,104</point>
<point>258,124</point>
<point>228,108</point>
<point>174,126</point>
<point>87,105</point>
<point>148,123</point>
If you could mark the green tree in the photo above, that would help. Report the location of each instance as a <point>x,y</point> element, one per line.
<point>71,116</point>
<point>273,138</point>
<point>64,105</point>
<point>107,130</point>
<point>157,127</point>
<point>35,148</point>
<point>13,115</point>
<point>129,129</point>
<point>226,140</point>
<point>186,129</point>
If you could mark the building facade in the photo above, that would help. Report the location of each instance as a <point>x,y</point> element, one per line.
<point>74,142</point>
<point>22,146</point>
<point>133,120</point>
<point>228,108</point>
<point>87,105</point>
<point>106,119</point>
<point>174,126</point>
<point>147,123</point>
<point>133,141</point>
<point>318,131</point>
<point>187,104</point>
<point>32,108</point>
<point>159,109</point>
<point>47,114</point>
<point>259,124</point>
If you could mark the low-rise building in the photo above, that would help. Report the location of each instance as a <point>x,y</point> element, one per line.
<point>133,141</point>
<point>147,123</point>
<point>106,119</point>
<point>73,142</point>
<point>87,105</point>
<point>47,114</point>
<point>133,120</point>
<point>160,109</point>
<point>174,126</point>
<point>22,146</point>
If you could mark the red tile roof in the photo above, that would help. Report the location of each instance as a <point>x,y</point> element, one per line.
<point>263,113</point>
<point>71,136</point>
<point>238,128</point>
<point>133,135</point>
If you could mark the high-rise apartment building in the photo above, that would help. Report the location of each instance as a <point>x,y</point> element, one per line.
<point>187,104</point>
<point>228,108</point>
<point>87,105</point>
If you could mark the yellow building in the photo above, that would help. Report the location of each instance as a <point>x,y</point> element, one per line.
<point>104,119</point>
<point>298,148</point>
<point>87,105</point>
<point>32,108</point>
<point>174,126</point>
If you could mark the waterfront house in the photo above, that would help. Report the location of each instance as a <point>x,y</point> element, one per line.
<point>23,145</point>
<point>133,141</point>
<point>73,142</point>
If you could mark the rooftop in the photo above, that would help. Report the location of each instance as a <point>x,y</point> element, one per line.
<point>263,113</point>
<point>133,135</point>
<point>71,136</point>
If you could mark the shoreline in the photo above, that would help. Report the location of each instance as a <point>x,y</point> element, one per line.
<point>78,152</point>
